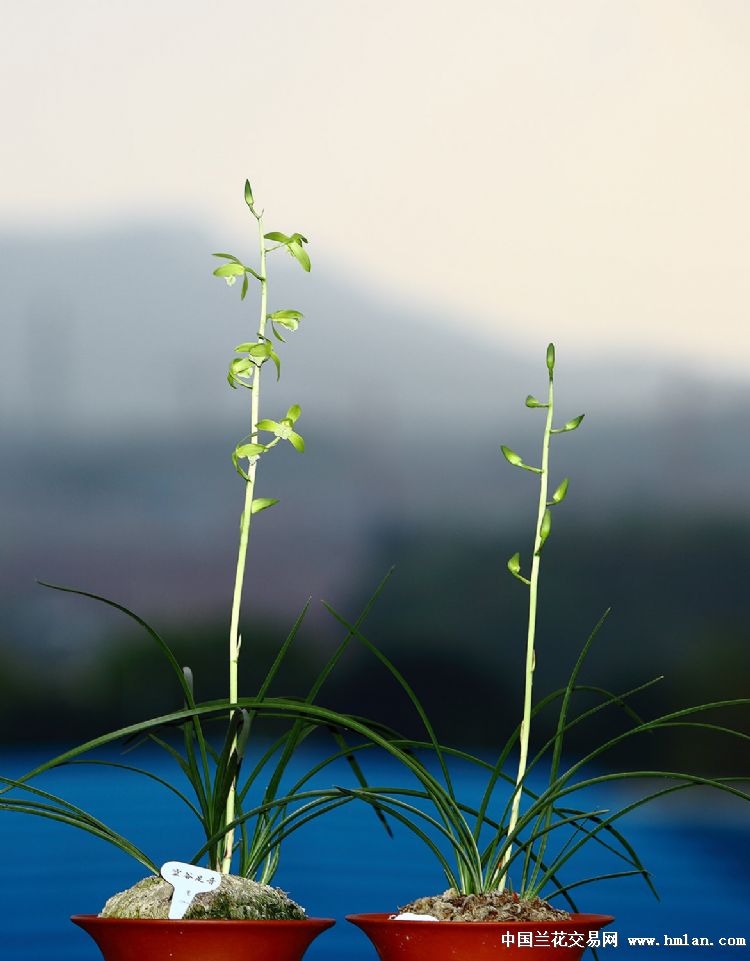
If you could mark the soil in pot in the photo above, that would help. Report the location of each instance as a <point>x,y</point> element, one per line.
<point>492,906</point>
<point>482,927</point>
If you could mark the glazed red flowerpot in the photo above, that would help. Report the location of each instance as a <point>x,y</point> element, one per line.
<point>121,939</point>
<point>480,940</point>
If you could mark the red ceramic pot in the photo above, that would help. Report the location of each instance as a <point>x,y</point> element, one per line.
<point>121,939</point>
<point>479,940</point>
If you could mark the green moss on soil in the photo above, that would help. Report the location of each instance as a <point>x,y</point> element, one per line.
<point>236,899</point>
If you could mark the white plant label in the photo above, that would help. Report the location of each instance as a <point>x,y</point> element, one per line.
<point>187,881</point>
<point>409,916</point>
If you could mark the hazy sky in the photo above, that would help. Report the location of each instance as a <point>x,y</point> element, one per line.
<point>576,170</point>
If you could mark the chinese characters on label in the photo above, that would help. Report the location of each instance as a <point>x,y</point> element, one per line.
<point>187,881</point>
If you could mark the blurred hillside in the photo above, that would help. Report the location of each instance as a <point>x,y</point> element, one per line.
<point>116,429</point>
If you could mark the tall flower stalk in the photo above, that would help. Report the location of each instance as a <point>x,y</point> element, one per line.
<point>541,533</point>
<point>245,371</point>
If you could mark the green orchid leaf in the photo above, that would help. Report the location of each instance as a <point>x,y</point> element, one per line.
<point>297,442</point>
<point>244,732</point>
<point>237,465</point>
<point>262,503</point>
<point>300,254</point>
<point>276,361</point>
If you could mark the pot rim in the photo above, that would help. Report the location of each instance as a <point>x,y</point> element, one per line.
<point>226,923</point>
<point>384,919</point>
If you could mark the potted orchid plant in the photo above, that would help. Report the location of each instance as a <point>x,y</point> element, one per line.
<point>218,900</point>
<point>505,857</point>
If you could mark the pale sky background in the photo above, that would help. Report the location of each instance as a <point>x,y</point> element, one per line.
<point>576,170</point>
